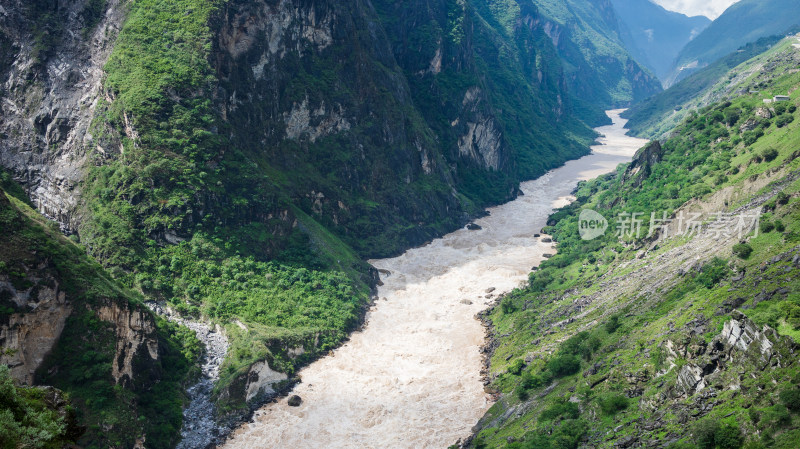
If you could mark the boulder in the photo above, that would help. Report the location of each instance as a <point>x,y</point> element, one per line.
<point>294,401</point>
<point>474,227</point>
<point>764,113</point>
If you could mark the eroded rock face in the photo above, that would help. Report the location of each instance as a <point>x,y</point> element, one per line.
<point>742,334</point>
<point>264,379</point>
<point>764,113</point>
<point>482,141</point>
<point>136,340</point>
<point>260,380</point>
<point>49,98</point>
<point>741,343</point>
<point>645,158</point>
<point>27,337</point>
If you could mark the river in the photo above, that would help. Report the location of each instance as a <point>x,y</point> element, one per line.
<point>411,378</point>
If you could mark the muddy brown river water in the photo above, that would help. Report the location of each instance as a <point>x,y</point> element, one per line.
<point>411,378</point>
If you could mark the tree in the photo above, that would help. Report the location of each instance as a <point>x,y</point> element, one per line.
<point>704,433</point>
<point>742,250</point>
<point>728,436</point>
<point>25,419</point>
<point>564,365</point>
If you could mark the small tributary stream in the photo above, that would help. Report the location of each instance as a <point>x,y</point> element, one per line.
<point>199,429</point>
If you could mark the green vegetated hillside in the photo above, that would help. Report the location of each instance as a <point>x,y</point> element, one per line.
<point>654,35</point>
<point>470,64</point>
<point>599,69</point>
<point>744,21</point>
<point>672,339</point>
<point>243,166</point>
<point>658,115</point>
<point>119,370</point>
<point>245,157</point>
<point>34,416</point>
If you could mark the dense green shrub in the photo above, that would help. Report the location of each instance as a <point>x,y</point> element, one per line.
<point>531,381</point>
<point>775,416</point>
<point>612,324</point>
<point>742,250</point>
<point>582,343</point>
<point>712,272</point>
<point>682,445</point>
<point>522,393</point>
<point>561,409</point>
<point>611,403</point>
<point>563,365</point>
<point>728,436</point>
<point>791,399</point>
<point>704,432</point>
<point>766,226</point>
<point>516,367</point>
<point>507,306</point>
<point>25,419</point>
<point>750,137</point>
<point>784,120</point>
<point>567,435</point>
<point>769,154</point>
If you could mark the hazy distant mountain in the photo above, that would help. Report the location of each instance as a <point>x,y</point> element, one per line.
<point>653,35</point>
<point>743,22</point>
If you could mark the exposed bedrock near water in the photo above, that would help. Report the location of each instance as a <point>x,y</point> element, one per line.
<point>412,377</point>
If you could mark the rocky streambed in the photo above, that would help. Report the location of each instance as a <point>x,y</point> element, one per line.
<point>199,429</point>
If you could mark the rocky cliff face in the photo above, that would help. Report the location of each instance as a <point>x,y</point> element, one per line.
<point>350,101</point>
<point>303,83</point>
<point>51,83</point>
<point>587,38</point>
<point>63,322</point>
<point>37,308</point>
<point>722,364</point>
<point>28,337</point>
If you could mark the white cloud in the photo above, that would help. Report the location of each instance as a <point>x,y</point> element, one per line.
<point>709,8</point>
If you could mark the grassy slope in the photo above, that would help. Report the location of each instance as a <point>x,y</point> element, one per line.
<point>657,115</point>
<point>615,304</point>
<point>743,22</point>
<point>177,174</point>
<point>80,363</point>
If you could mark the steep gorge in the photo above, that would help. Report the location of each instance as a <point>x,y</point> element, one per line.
<point>237,160</point>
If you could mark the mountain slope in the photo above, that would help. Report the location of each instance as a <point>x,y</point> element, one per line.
<point>587,37</point>
<point>660,113</point>
<point>238,160</point>
<point>743,22</point>
<point>64,322</point>
<point>653,35</point>
<point>671,334</point>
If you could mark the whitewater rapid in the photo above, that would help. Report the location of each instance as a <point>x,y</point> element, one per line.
<point>411,378</point>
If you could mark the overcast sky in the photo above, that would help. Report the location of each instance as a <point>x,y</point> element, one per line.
<point>708,8</point>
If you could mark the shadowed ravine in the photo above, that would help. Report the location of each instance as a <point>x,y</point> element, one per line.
<point>411,378</point>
